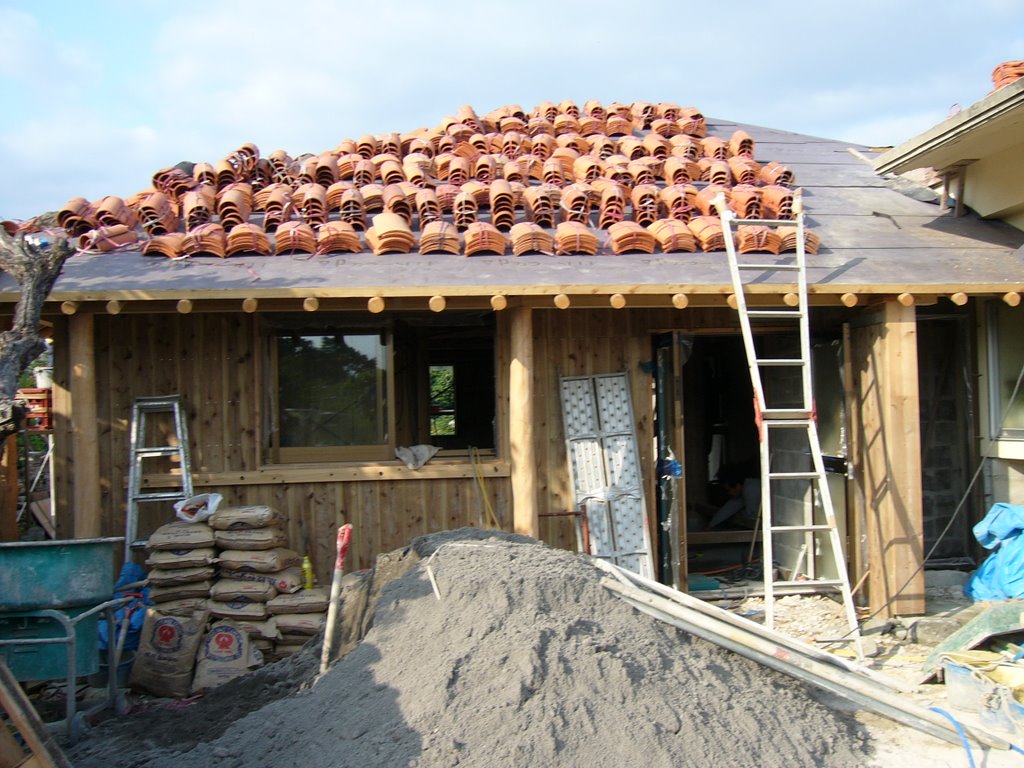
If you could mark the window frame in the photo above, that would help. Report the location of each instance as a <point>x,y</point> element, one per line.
<point>994,375</point>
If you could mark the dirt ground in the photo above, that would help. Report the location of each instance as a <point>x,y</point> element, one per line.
<point>519,657</point>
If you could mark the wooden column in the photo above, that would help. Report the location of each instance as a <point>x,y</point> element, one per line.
<point>887,451</point>
<point>525,510</point>
<point>9,489</point>
<point>85,502</point>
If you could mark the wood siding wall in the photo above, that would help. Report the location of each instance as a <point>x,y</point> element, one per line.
<point>212,361</point>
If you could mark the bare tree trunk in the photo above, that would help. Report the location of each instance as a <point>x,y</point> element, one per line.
<point>34,260</point>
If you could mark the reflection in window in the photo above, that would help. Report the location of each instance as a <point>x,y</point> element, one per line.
<point>332,390</point>
<point>1006,357</point>
<point>442,401</point>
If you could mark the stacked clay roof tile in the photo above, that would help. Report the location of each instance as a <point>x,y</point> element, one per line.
<point>561,178</point>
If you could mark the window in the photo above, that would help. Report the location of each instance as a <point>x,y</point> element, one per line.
<point>336,391</point>
<point>331,395</point>
<point>443,419</point>
<point>1005,360</point>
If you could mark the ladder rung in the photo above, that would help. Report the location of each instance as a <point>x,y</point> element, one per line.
<point>161,450</point>
<point>787,313</point>
<point>760,265</point>
<point>809,583</point>
<point>159,496</point>
<point>793,476</point>
<point>768,222</point>
<point>781,361</point>
<point>786,413</point>
<point>788,423</point>
<point>799,528</point>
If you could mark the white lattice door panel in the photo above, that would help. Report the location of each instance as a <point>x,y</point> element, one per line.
<point>604,466</point>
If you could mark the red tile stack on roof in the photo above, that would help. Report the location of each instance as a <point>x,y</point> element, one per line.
<point>567,172</point>
<point>1006,73</point>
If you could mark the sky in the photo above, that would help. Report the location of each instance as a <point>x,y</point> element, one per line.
<point>97,96</point>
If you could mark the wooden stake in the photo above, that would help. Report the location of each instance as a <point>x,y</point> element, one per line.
<point>849,299</point>
<point>562,301</point>
<point>906,299</point>
<point>499,302</point>
<point>437,303</point>
<point>1012,298</point>
<point>959,298</point>
<point>679,301</point>
<point>617,300</point>
<point>790,299</point>
<point>375,304</point>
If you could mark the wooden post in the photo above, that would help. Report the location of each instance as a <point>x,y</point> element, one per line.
<point>887,449</point>
<point>9,490</point>
<point>525,511</point>
<point>86,512</point>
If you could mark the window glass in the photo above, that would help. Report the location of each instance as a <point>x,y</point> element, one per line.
<point>332,390</point>
<point>443,419</point>
<point>1006,359</point>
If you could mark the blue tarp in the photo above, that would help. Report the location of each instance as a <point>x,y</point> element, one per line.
<point>135,611</point>
<point>1001,576</point>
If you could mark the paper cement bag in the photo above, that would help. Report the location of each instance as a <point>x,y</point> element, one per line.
<point>225,653</point>
<point>165,660</point>
<point>246,518</point>
<point>179,535</point>
<point>304,601</point>
<point>263,561</point>
<point>286,580</point>
<point>254,538</point>
<point>181,558</point>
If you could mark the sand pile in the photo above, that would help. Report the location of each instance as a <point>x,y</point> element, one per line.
<point>525,660</point>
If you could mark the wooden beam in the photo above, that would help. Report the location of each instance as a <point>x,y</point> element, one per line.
<point>525,509</point>
<point>887,449</point>
<point>84,429</point>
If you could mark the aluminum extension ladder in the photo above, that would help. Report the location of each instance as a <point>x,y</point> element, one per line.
<point>786,416</point>
<point>176,447</point>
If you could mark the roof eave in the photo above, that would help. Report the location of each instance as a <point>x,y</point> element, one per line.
<point>919,151</point>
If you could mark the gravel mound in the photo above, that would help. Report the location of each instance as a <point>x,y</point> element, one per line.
<point>524,660</point>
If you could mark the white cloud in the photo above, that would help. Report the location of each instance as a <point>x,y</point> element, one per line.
<point>37,61</point>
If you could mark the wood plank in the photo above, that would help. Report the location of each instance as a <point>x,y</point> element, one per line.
<point>521,421</point>
<point>9,489</point>
<point>43,746</point>
<point>87,509</point>
<point>889,476</point>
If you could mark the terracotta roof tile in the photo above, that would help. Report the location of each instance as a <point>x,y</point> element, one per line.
<point>559,169</point>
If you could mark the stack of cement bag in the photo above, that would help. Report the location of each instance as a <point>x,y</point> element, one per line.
<point>180,559</point>
<point>221,586</point>
<point>298,617</point>
<point>254,566</point>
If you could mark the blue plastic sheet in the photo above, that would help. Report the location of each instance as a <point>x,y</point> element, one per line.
<point>1001,576</point>
<point>134,611</point>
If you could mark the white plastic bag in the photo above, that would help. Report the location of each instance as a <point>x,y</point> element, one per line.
<point>197,508</point>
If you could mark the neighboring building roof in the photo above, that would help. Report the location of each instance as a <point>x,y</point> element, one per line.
<point>873,239</point>
<point>986,128</point>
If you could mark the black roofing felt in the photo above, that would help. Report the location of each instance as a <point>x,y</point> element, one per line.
<point>874,239</point>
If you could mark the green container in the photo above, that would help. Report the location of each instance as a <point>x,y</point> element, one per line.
<point>49,661</point>
<point>57,574</point>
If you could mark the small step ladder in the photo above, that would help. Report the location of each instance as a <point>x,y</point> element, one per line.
<point>176,447</point>
<point>787,424</point>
